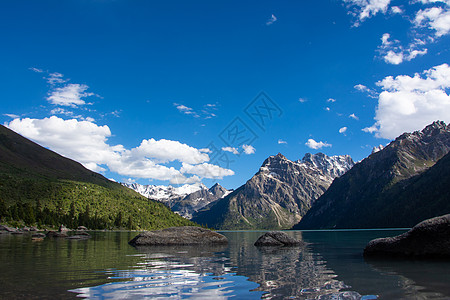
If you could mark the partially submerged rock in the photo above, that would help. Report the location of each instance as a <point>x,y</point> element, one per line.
<point>56,234</point>
<point>80,236</point>
<point>5,228</point>
<point>277,238</point>
<point>428,238</point>
<point>187,235</point>
<point>82,228</point>
<point>38,235</point>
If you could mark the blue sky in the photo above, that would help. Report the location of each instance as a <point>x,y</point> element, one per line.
<point>152,91</point>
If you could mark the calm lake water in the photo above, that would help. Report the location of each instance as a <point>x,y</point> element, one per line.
<point>331,266</point>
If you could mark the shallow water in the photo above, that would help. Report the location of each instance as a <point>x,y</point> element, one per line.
<point>331,266</point>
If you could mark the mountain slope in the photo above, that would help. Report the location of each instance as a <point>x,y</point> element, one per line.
<point>277,196</point>
<point>397,186</point>
<point>39,185</point>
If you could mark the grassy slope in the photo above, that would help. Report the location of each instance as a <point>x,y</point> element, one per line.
<point>30,173</point>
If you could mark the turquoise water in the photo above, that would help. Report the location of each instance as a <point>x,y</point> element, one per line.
<point>331,266</point>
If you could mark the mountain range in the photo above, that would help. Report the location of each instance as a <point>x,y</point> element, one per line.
<point>40,186</point>
<point>184,200</point>
<point>278,195</point>
<point>397,186</point>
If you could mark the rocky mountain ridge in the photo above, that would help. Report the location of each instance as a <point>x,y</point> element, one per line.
<point>278,195</point>
<point>383,182</point>
<point>184,200</point>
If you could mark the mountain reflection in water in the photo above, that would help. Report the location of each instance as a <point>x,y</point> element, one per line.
<point>330,266</point>
<point>239,269</point>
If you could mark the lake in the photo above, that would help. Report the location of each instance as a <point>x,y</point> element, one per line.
<point>331,266</point>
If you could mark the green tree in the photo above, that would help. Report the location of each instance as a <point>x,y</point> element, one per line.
<point>119,220</point>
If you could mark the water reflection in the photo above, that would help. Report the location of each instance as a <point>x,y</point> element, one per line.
<point>286,272</point>
<point>418,279</point>
<point>331,266</point>
<point>176,272</point>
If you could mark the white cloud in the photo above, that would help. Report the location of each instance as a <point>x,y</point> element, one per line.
<point>394,53</point>
<point>396,10</point>
<point>181,179</point>
<point>61,111</point>
<point>331,100</point>
<point>271,20</point>
<point>281,142</point>
<point>393,58</point>
<point>205,150</point>
<point>364,89</point>
<point>248,149</point>
<point>69,95</point>
<point>435,18</point>
<point>55,78</point>
<point>327,108</point>
<point>37,70</point>
<point>13,116</point>
<point>207,112</point>
<point>206,170</point>
<point>364,9</point>
<point>353,116</point>
<point>230,149</point>
<point>410,103</point>
<point>361,88</point>
<point>87,143</point>
<point>185,109</point>
<point>301,100</point>
<point>342,130</point>
<point>316,145</point>
<point>163,151</point>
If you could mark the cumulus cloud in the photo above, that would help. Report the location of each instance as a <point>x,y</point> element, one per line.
<point>230,149</point>
<point>86,142</point>
<point>331,100</point>
<point>271,20</point>
<point>316,145</point>
<point>280,141</point>
<point>248,149</point>
<point>301,100</point>
<point>435,18</point>
<point>343,129</point>
<point>69,95</point>
<point>206,170</point>
<point>410,103</point>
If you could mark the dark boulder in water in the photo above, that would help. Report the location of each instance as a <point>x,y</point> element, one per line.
<point>56,234</point>
<point>276,238</point>
<point>427,239</point>
<point>187,235</point>
<point>80,236</point>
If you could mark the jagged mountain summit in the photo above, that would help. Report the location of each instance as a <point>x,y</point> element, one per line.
<point>278,195</point>
<point>398,186</point>
<point>184,200</point>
